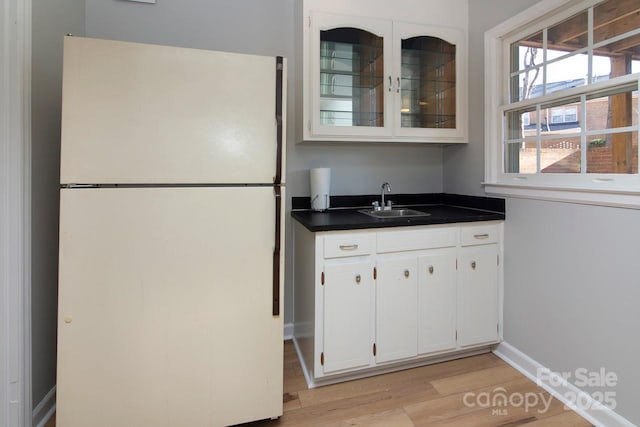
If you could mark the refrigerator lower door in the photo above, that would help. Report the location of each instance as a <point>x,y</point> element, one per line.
<point>165,307</point>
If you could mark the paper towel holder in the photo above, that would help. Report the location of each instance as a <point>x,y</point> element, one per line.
<point>320,186</point>
<point>326,202</point>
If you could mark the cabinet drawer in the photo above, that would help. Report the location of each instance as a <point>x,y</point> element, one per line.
<point>410,240</point>
<point>478,235</point>
<point>349,244</point>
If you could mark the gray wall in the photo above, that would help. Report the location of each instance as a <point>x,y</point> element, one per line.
<point>571,278</point>
<point>464,164</point>
<point>572,289</point>
<point>52,19</point>
<point>267,27</point>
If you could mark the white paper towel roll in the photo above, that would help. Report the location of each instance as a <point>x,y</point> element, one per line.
<point>320,179</point>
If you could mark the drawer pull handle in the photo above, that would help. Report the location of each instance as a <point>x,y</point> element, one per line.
<point>406,273</point>
<point>431,269</point>
<point>348,247</point>
<point>473,265</point>
<point>481,236</point>
<point>358,278</point>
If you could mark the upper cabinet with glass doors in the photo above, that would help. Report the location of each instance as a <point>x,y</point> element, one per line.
<point>348,66</point>
<point>371,79</point>
<point>430,92</point>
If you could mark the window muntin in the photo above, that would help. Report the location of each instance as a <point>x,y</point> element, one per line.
<point>595,48</point>
<point>599,102</point>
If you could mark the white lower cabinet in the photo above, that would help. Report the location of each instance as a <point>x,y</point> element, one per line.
<point>346,315</point>
<point>478,295</point>
<point>437,301</point>
<point>373,300</point>
<point>396,308</point>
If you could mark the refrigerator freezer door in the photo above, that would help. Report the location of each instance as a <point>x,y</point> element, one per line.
<point>165,308</point>
<point>148,114</point>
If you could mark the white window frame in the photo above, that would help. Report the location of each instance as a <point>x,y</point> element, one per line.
<point>599,189</point>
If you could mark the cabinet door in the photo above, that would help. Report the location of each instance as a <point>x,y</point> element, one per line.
<point>396,308</point>
<point>350,59</point>
<point>347,314</point>
<point>429,71</point>
<point>437,302</point>
<point>478,295</point>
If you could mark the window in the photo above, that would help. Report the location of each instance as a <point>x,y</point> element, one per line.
<point>563,98</point>
<point>564,115</point>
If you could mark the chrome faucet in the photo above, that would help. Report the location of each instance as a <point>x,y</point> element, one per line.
<point>385,187</point>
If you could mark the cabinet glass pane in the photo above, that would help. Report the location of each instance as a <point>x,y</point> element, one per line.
<point>351,78</point>
<point>428,83</point>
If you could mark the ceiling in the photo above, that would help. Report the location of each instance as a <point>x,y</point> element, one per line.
<point>610,19</point>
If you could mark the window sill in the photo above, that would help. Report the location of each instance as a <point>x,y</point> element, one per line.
<point>629,199</point>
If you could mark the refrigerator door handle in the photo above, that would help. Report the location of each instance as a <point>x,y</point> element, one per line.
<point>276,253</point>
<point>278,191</point>
<point>277,180</point>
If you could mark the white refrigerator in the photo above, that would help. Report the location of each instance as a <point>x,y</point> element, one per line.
<point>171,235</point>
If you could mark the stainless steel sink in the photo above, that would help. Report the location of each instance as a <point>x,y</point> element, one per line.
<point>393,213</point>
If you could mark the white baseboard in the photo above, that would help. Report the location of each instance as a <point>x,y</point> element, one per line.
<point>305,371</point>
<point>590,409</point>
<point>288,331</point>
<point>379,370</point>
<point>45,409</point>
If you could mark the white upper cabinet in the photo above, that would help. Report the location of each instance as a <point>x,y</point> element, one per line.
<point>350,96</point>
<point>381,78</point>
<point>430,87</point>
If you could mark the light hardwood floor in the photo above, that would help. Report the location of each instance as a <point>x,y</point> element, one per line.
<point>428,396</point>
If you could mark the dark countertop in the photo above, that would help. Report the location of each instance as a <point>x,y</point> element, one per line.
<point>344,218</point>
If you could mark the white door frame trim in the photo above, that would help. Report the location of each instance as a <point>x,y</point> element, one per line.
<point>15,213</point>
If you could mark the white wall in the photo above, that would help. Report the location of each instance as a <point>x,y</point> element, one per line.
<point>52,19</point>
<point>267,27</point>
<point>571,271</point>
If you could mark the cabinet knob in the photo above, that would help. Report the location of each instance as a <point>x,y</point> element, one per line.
<point>68,319</point>
<point>406,273</point>
<point>358,278</point>
<point>473,265</point>
<point>431,269</point>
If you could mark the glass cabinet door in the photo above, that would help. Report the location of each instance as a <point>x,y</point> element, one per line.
<point>351,86</point>
<point>369,79</point>
<point>428,83</point>
<point>351,78</point>
<point>431,88</point>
